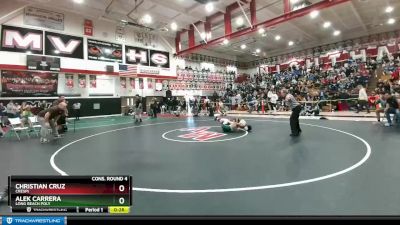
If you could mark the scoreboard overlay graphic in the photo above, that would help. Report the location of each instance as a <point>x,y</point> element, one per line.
<point>70,194</point>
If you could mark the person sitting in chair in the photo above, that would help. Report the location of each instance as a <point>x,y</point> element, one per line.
<point>392,107</point>
<point>26,113</point>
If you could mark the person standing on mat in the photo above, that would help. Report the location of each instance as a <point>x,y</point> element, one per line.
<point>138,110</point>
<point>153,108</point>
<point>362,99</point>
<point>296,109</point>
<point>47,119</point>
<point>77,110</point>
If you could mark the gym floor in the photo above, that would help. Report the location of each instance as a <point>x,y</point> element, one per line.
<point>333,168</point>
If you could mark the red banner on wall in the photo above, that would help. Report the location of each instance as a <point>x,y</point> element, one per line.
<point>69,81</point>
<point>141,85</point>
<point>93,83</point>
<point>82,81</point>
<point>28,84</point>
<point>132,82</point>
<point>123,82</point>
<point>149,83</point>
<point>88,27</point>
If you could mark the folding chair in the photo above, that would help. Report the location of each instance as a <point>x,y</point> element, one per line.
<point>35,124</point>
<point>17,126</point>
<point>394,116</point>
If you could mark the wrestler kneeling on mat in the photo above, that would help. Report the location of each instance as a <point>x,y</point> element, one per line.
<point>233,125</point>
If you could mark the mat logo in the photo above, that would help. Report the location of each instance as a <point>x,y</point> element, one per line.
<point>9,220</point>
<point>200,134</point>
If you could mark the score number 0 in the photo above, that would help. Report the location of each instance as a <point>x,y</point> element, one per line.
<point>121,200</point>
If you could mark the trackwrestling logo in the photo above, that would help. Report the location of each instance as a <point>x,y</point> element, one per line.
<point>16,220</point>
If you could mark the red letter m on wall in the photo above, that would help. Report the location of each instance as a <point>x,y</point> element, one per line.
<point>201,134</point>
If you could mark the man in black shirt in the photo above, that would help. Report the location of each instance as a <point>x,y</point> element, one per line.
<point>392,107</point>
<point>153,108</point>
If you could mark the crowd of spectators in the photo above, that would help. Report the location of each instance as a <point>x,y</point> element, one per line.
<point>313,85</point>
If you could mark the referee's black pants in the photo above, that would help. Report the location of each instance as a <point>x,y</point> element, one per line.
<point>294,120</point>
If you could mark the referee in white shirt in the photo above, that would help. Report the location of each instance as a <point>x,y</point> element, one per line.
<point>296,109</point>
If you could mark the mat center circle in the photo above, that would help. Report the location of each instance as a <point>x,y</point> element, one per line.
<point>204,134</point>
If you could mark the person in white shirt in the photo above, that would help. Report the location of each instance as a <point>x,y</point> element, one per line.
<point>77,110</point>
<point>362,99</point>
<point>273,100</point>
<point>11,110</point>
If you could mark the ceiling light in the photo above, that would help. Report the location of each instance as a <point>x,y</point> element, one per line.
<point>294,1</point>
<point>209,7</point>
<point>389,9</point>
<point>258,50</point>
<point>243,46</point>
<point>391,21</point>
<point>277,37</point>
<point>261,30</point>
<point>174,26</point>
<point>327,24</point>
<point>314,14</point>
<point>28,52</point>
<point>56,51</point>
<point>226,41</point>
<point>336,32</point>
<point>147,18</point>
<point>239,21</point>
<point>203,35</point>
<point>291,43</point>
<point>78,1</point>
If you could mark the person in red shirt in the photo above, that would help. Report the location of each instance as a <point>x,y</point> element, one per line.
<point>372,99</point>
<point>395,74</point>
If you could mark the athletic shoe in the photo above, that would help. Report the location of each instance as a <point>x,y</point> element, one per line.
<point>44,140</point>
<point>57,136</point>
<point>388,124</point>
<point>294,135</point>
